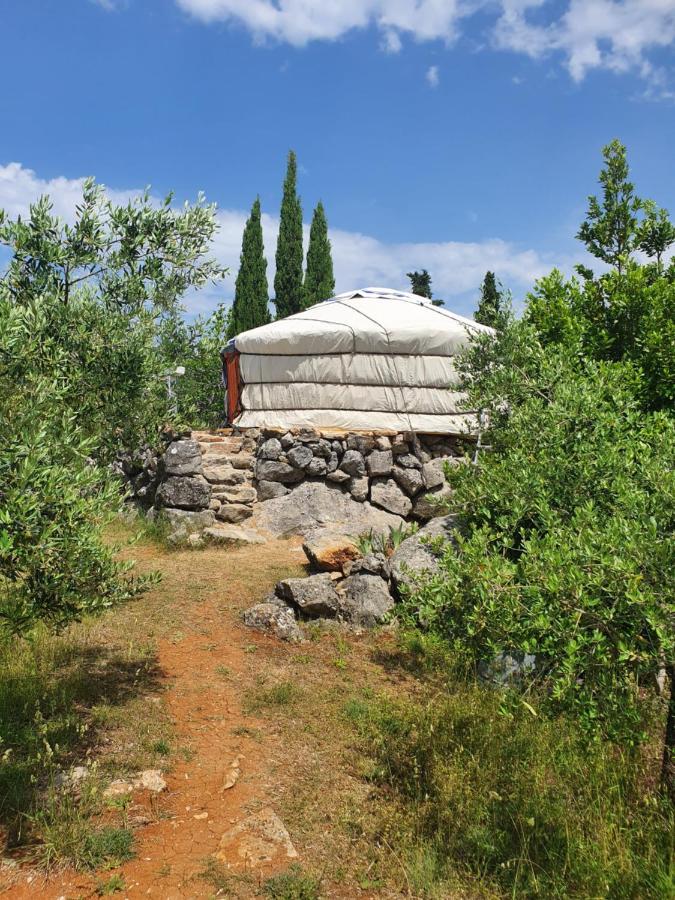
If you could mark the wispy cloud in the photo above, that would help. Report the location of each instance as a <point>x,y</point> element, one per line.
<point>432,76</point>
<point>617,35</point>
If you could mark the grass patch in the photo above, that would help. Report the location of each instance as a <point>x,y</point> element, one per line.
<point>512,800</point>
<point>283,694</point>
<point>292,885</point>
<point>113,885</point>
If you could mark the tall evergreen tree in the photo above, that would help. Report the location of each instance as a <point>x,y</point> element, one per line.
<point>420,284</point>
<point>492,306</point>
<point>288,279</point>
<point>319,279</point>
<point>250,307</point>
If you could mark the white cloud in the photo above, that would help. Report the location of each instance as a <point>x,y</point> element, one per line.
<point>432,76</point>
<point>618,35</point>
<point>360,260</point>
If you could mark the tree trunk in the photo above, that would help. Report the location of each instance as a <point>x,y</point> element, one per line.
<point>668,767</point>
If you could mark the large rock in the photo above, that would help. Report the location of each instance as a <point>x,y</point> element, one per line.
<point>182,458</point>
<point>315,596</point>
<point>182,522</point>
<point>260,841</point>
<point>431,505</point>
<point>408,461</point>
<point>361,442</point>
<point>415,557</point>
<point>316,505</point>
<point>353,463</point>
<point>380,462</point>
<point>275,619</point>
<point>184,492</point>
<point>330,552</point>
<point>233,534</point>
<point>274,470</point>
<point>409,479</point>
<point>269,489</point>
<point>386,493</point>
<point>365,600</point>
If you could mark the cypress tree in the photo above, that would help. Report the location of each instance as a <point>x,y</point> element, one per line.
<point>288,278</point>
<point>250,293</point>
<point>319,280</point>
<point>493,307</point>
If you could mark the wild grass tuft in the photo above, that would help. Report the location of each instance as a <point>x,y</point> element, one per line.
<point>285,693</point>
<point>292,885</point>
<point>512,800</point>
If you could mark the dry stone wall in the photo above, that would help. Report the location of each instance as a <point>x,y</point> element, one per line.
<point>210,482</point>
<point>402,473</point>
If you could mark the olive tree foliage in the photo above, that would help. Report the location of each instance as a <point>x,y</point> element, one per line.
<point>565,546</point>
<point>103,286</point>
<point>82,306</point>
<point>565,550</point>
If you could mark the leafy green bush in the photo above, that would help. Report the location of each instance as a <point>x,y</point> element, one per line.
<point>566,549</point>
<point>514,800</point>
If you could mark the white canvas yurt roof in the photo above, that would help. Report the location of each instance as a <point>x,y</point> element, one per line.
<point>373,359</point>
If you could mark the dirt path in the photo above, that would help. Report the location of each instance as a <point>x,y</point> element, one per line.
<point>243,708</point>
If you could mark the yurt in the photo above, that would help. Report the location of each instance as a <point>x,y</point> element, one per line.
<point>368,360</point>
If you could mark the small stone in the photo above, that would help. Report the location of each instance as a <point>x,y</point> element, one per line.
<point>300,456</point>
<point>358,488</point>
<point>233,534</point>
<point>261,839</point>
<point>269,489</point>
<point>353,463</point>
<point>195,540</point>
<point>274,619</point>
<point>408,461</point>
<point>271,449</point>
<point>361,442</point>
<point>287,440</point>
<point>409,479</point>
<point>373,564</point>
<point>237,493</point>
<point>338,477</point>
<point>214,504</point>
<point>234,513</point>
<point>314,596</point>
<point>322,449</point>
<point>382,442</point>
<point>332,462</point>
<point>384,492</point>
<point>317,468</point>
<point>231,775</point>
<point>150,780</point>
<point>380,462</point>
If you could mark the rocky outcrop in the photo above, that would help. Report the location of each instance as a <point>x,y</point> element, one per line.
<point>416,556</point>
<point>313,506</point>
<point>314,597</point>
<point>365,600</point>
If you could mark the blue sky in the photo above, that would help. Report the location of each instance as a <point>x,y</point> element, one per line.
<point>456,135</point>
